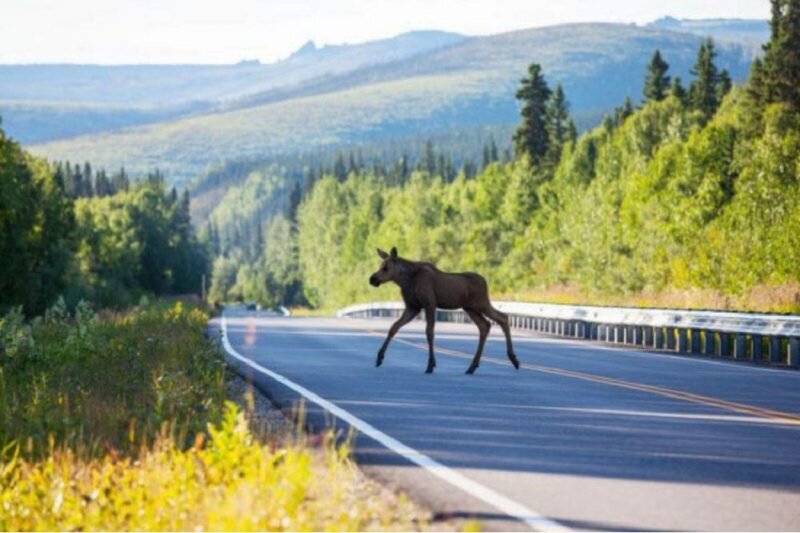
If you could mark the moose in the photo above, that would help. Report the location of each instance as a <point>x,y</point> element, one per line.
<point>424,286</point>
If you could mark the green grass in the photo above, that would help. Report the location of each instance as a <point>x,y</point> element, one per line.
<point>119,421</point>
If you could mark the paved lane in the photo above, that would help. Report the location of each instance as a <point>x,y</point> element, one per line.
<point>590,436</point>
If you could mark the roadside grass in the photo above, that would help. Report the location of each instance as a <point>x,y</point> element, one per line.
<point>783,299</point>
<point>119,421</point>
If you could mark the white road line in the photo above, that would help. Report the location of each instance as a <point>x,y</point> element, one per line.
<point>498,501</point>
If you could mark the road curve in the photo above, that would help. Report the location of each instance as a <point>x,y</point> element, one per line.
<point>584,436</point>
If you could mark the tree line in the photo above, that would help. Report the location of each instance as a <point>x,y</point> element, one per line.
<point>68,232</point>
<point>694,188</point>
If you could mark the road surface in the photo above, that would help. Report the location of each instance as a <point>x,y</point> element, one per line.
<point>583,436</point>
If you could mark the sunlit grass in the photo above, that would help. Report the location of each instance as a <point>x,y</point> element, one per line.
<point>230,482</point>
<point>119,422</point>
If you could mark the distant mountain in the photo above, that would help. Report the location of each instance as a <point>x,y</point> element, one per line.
<point>749,32</point>
<point>467,83</point>
<point>90,98</point>
<point>185,118</point>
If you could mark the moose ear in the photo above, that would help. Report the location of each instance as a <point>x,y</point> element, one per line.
<point>383,254</point>
<point>394,252</point>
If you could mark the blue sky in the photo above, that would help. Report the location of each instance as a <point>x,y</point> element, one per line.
<point>226,31</point>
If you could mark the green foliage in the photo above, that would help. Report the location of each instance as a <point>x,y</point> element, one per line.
<point>656,82</point>
<point>664,201</point>
<point>777,78</point>
<point>81,380</point>
<point>36,222</point>
<point>531,138</point>
<point>60,238</point>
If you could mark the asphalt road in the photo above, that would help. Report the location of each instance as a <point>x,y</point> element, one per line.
<point>583,436</point>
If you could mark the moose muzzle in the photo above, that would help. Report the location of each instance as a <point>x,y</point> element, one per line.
<point>373,280</point>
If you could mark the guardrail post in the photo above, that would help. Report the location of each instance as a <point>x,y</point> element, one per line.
<point>658,338</point>
<point>724,344</point>
<point>637,335</point>
<point>682,345</point>
<point>694,340</point>
<point>648,336</point>
<point>775,355</point>
<point>740,346</point>
<point>794,352</point>
<point>617,333</point>
<point>593,333</point>
<point>758,348</point>
<point>671,338</point>
<point>708,342</point>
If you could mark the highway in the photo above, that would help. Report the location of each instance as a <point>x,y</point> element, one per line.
<point>583,436</point>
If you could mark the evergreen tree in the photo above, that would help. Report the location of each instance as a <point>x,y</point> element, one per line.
<point>428,163</point>
<point>624,111</point>
<point>557,116</point>
<point>531,136</point>
<point>780,75</point>
<point>339,168</point>
<point>656,82</point>
<point>724,85</point>
<point>87,190</point>
<point>295,197</point>
<point>678,91</point>
<point>102,185</point>
<point>493,149</point>
<point>703,90</point>
<point>572,131</point>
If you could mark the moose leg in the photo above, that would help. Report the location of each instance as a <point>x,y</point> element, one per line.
<point>407,316</point>
<point>483,328</point>
<point>502,319</point>
<point>430,318</point>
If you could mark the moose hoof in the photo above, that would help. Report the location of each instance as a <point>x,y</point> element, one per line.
<point>471,370</point>
<point>378,362</point>
<point>515,362</point>
<point>429,370</point>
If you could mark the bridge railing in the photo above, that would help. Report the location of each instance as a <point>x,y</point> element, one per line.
<point>742,336</point>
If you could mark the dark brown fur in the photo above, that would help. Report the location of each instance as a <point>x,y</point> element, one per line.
<point>424,286</point>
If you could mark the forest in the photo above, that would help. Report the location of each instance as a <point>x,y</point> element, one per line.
<point>72,233</point>
<point>686,199</point>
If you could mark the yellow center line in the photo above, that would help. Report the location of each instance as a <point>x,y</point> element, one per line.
<point>770,414</point>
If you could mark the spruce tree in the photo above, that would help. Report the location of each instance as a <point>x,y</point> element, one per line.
<point>781,66</point>
<point>340,168</point>
<point>572,131</point>
<point>724,85</point>
<point>624,111</point>
<point>531,136</point>
<point>656,82</point>
<point>677,90</point>
<point>703,90</point>
<point>557,115</point>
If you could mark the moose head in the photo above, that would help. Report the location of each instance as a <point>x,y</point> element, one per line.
<point>389,269</point>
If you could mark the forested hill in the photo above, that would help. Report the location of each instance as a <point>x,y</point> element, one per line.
<point>467,83</point>
<point>689,200</point>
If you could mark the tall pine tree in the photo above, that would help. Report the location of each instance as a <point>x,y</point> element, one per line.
<point>557,115</point>
<point>779,76</point>
<point>531,136</point>
<point>656,83</point>
<point>703,90</point>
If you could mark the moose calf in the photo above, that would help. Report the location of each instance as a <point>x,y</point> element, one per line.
<point>424,286</point>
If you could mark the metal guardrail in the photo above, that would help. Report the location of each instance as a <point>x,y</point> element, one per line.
<point>742,336</point>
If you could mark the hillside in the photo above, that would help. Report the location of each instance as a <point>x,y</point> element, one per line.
<point>36,100</point>
<point>750,32</point>
<point>462,85</point>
